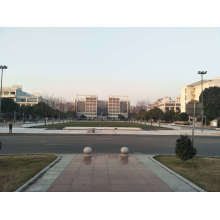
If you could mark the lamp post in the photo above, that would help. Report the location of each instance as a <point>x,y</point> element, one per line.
<point>201,73</point>
<point>193,127</point>
<point>2,67</point>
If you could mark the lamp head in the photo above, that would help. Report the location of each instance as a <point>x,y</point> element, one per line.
<point>202,72</point>
<point>3,67</point>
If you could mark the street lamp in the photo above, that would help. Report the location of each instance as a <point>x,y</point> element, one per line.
<point>201,73</point>
<point>194,115</point>
<point>2,67</point>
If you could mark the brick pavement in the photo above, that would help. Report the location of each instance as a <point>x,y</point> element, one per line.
<point>107,173</point>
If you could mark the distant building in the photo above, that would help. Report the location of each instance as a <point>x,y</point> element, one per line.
<point>192,92</point>
<point>92,108</point>
<point>69,107</point>
<point>215,123</point>
<point>102,108</point>
<point>19,96</point>
<point>113,107</point>
<point>118,105</point>
<point>86,105</point>
<point>190,108</point>
<point>167,104</point>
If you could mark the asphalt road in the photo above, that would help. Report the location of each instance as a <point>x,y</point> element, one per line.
<point>18,144</point>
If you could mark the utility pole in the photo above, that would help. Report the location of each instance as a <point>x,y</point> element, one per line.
<point>193,128</point>
<point>2,67</point>
<point>201,73</point>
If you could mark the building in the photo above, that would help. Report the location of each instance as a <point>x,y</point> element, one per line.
<point>19,96</point>
<point>118,106</point>
<point>113,107</point>
<point>102,108</point>
<point>86,105</point>
<point>215,123</point>
<point>167,104</point>
<point>69,107</point>
<point>192,92</point>
<point>92,108</point>
<point>194,107</point>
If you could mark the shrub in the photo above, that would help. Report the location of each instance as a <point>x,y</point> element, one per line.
<point>184,149</point>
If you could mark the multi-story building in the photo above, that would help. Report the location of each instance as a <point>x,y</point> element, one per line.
<point>19,96</point>
<point>167,104</point>
<point>69,107</point>
<point>102,108</point>
<point>86,105</point>
<point>92,108</point>
<point>113,107</point>
<point>192,92</point>
<point>118,105</point>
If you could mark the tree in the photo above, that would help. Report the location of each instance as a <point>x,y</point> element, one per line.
<point>26,111</point>
<point>155,114</point>
<point>142,105</point>
<point>184,148</point>
<point>141,115</point>
<point>83,117</point>
<point>121,117</point>
<point>132,115</point>
<point>211,101</point>
<point>169,116</point>
<point>43,110</point>
<point>9,106</point>
<point>183,116</point>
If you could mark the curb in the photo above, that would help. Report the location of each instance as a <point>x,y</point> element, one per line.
<point>34,178</point>
<point>74,134</point>
<point>199,189</point>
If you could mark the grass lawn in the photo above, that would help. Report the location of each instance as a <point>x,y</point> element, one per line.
<point>203,171</point>
<point>16,170</point>
<point>102,124</point>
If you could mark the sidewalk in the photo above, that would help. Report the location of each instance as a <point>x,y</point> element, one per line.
<point>123,131</point>
<point>108,173</point>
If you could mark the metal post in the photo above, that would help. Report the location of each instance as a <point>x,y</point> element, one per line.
<point>2,67</point>
<point>193,128</point>
<point>202,110</point>
<point>202,99</point>
<point>1,93</point>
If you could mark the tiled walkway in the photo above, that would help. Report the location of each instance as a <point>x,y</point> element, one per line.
<point>107,173</point>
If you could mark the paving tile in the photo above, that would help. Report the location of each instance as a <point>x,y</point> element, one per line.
<point>69,173</point>
<point>98,174</point>
<point>60,188</point>
<point>130,188</point>
<point>101,181</point>
<point>101,188</point>
<point>81,181</point>
<point>80,187</point>
<point>65,181</point>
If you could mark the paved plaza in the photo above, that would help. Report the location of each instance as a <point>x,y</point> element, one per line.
<point>108,173</point>
<point>20,128</point>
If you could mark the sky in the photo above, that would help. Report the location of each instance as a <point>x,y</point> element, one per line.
<point>142,63</point>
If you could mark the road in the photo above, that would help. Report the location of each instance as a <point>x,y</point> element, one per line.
<point>150,144</point>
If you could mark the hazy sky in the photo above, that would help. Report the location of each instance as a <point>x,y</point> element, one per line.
<point>143,63</point>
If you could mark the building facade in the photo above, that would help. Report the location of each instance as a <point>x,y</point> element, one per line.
<point>167,104</point>
<point>19,96</point>
<point>86,105</point>
<point>192,92</point>
<point>118,106</point>
<point>92,108</point>
<point>102,108</point>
